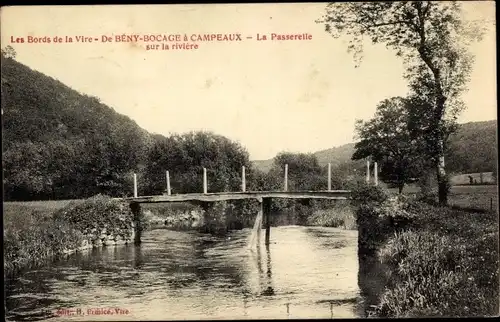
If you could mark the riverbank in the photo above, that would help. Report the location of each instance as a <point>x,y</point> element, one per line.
<point>34,235</point>
<point>419,260</point>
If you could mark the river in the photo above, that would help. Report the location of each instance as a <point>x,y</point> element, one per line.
<point>305,272</point>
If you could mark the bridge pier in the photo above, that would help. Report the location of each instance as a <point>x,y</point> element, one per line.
<point>266,212</point>
<point>135,207</point>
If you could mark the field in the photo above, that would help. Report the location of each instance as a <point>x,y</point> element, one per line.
<point>483,198</point>
<point>466,197</point>
<point>463,179</point>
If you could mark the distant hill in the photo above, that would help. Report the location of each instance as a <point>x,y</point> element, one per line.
<point>473,148</point>
<point>263,165</point>
<point>336,156</point>
<point>58,142</point>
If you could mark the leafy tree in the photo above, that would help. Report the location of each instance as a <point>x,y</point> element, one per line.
<point>186,155</point>
<point>304,172</point>
<point>431,38</point>
<point>9,52</point>
<point>58,143</point>
<point>388,139</point>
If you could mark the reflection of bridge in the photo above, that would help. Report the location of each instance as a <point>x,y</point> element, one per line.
<point>264,198</point>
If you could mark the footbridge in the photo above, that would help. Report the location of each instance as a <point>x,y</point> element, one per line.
<point>205,198</point>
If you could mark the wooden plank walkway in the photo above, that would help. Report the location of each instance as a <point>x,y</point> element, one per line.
<point>258,195</point>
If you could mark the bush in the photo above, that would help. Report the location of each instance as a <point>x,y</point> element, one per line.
<point>339,215</point>
<point>30,238</point>
<point>97,216</point>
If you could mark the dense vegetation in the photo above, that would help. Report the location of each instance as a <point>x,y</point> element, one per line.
<point>420,260</point>
<point>60,144</point>
<point>32,236</point>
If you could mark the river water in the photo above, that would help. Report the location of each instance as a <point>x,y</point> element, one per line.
<point>305,272</point>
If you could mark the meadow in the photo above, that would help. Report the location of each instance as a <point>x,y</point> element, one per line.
<point>466,197</point>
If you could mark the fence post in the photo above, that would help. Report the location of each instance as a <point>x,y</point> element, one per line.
<point>286,177</point>
<point>243,179</point>
<point>367,171</point>
<point>375,173</point>
<point>205,184</point>
<point>168,183</point>
<point>329,176</point>
<point>135,185</point>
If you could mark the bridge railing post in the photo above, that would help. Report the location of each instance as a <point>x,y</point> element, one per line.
<point>168,183</point>
<point>329,177</point>
<point>285,188</point>
<point>135,185</point>
<point>367,171</point>
<point>243,179</point>
<point>205,184</point>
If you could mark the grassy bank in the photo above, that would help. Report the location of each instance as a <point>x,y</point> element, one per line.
<point>35,232</point>
<point>420,260</point>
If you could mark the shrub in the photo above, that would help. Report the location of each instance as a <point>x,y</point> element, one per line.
<point>98,215</point>
<point>426,260</point>
<point>430,275</point>
<point>31,238</point>
<point>339,215</point>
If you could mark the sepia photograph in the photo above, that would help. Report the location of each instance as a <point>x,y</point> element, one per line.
<point>250,161</point>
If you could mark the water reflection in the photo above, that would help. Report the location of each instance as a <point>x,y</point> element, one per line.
<point>265,276</point>
<point>187,275</point>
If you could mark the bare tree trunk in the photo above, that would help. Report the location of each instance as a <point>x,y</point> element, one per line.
<point>441,176</point>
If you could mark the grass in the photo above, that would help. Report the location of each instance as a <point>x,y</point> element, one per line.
<point>463,179</point>
<point>474,198</point>
<point>31,236</point>
<point>442,262</point>
<point>340,215</point>
<point>479,198</point>
<point>36,231</point>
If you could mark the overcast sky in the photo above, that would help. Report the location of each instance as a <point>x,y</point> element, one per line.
<point>271,96</point>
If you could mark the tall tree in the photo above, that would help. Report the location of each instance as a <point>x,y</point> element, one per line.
<point>389,140</point>
<point>186,155</point>
<point>432,39</point>
<point>304,172</point>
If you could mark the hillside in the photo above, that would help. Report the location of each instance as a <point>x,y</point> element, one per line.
<point>58,142</point>
<point>472,148</point>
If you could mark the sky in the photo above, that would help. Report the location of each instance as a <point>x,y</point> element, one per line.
<point>270,96</point>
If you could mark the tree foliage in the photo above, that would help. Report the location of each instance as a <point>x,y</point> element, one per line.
<point>185,156</point>
<point>60,144</point>
<point>388,138</point>
<point>304,172</point>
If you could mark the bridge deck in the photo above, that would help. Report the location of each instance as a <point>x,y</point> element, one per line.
<point>259,195</point>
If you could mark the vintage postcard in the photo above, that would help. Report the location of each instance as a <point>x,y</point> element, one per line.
<point>249,161</point>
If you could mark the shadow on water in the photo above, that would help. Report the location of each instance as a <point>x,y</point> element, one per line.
<point>370,281</point>
<point>265,278</point>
